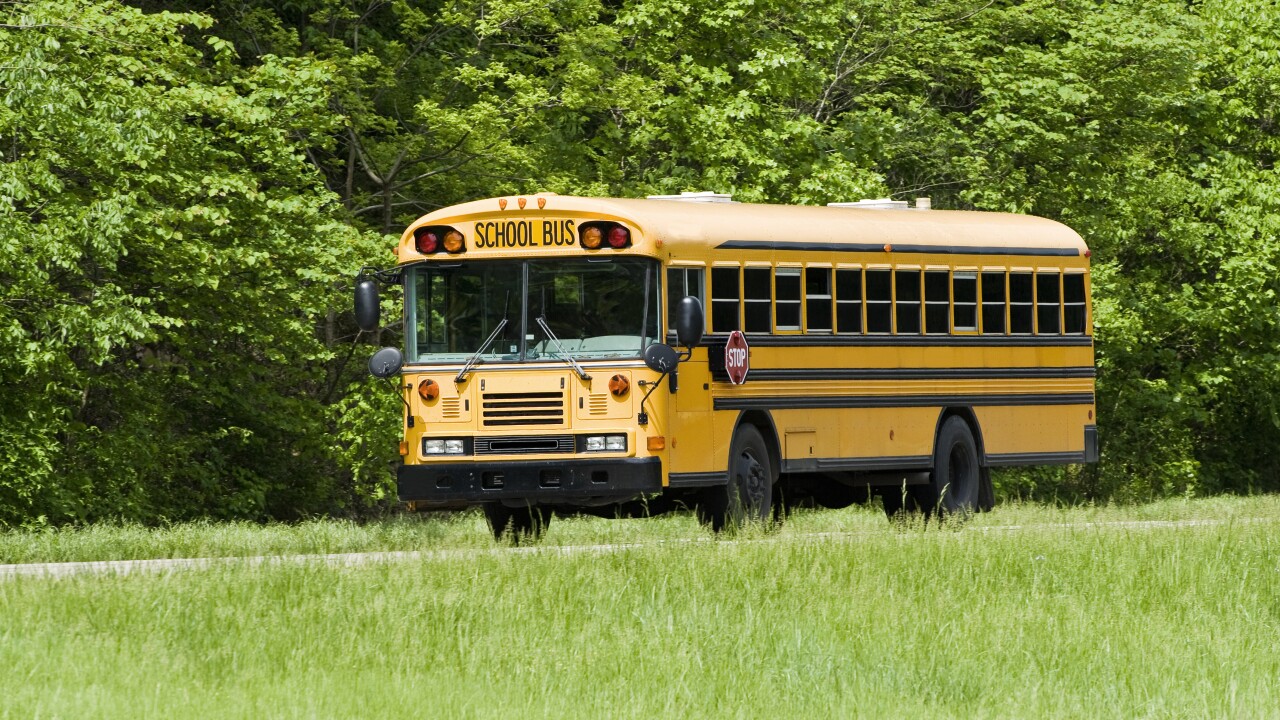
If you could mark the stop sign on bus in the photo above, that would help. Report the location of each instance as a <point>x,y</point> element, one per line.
<point>737,357</point>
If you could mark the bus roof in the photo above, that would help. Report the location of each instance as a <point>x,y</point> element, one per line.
<point>781,227</point>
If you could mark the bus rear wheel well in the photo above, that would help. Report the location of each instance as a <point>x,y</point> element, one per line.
<point>763,422</point>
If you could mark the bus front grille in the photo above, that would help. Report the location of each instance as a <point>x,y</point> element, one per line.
<point>524,444</point>
<point>531,408</point>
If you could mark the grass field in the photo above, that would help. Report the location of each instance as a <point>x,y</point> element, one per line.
<point>1026,612</point>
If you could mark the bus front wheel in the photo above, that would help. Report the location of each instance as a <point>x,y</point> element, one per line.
<point>520,524</point>
<point>748,494</point>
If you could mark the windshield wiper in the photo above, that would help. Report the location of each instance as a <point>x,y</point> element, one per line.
<point>475,357</point>
<point>542,323</point>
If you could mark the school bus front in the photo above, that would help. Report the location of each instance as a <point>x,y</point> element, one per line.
<point>524,373</point>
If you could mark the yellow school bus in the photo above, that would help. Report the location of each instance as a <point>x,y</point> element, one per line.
<point>631,356</point>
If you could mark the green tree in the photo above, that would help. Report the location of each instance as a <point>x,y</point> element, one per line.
<point>167,256</point>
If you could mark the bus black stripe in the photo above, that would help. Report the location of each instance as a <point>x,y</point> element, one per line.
<point>898,401</point>
<point>697,479</point>
<point>1040,458</point>
<point>1007,373</point>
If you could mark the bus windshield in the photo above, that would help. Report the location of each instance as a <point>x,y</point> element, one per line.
<point>595,308</point>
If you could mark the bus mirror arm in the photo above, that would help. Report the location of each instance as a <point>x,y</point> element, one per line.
<point>663,359</point>
<point>643,417</point>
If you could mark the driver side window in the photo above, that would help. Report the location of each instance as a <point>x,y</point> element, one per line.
<point>682,282</point>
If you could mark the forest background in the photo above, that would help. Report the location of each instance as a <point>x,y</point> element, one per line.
<point>185,198</point>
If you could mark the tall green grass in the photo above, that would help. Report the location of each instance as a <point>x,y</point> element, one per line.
<point>1052,619</point>
<point>468,530</point>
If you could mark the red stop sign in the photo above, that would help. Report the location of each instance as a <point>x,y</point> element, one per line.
<point>737,358</point>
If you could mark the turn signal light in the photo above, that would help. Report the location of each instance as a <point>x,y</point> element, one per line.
<point>619,385</point>
<point>429,390</point>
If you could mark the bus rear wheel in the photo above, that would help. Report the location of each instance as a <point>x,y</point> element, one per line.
<point>519,524</point>
<point>955,483</point>
<point>748,494</point>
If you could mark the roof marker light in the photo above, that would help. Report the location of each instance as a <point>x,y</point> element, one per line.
<point>502,203</point>
<point>520,202</point>
<point>542,202</point>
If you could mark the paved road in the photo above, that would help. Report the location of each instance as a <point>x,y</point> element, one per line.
<point>129,567</point>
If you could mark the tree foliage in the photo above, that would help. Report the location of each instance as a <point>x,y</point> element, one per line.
<point>165,254</point>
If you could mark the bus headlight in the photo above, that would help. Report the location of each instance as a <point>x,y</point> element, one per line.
<point>605,443</point>
<point>441,446</point>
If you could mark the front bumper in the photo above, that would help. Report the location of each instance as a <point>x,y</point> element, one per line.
<point>542,482</point>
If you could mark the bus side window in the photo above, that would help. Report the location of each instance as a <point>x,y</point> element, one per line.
<point>879,301</point>
<point>1020,304</point>
<point>724,299</point>
<point>993,303</point>
<point>1048,303</point>
<point>849,301</point>
<point>786,286</point>
<point>758,294</point>
<point>1073,303</point>
<point>817,294</point>
<point>682,282</point>
<point>964,307</point>
<point>907,286</point>
<point>937,301</point>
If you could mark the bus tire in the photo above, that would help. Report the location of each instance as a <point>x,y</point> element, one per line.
<point>520,525</point>
<point>748,495</point>
<point>955,482</point>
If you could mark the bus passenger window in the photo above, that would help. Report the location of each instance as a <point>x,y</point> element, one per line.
<point>964,306</point>
<point>937,301</point>
<point>786,284</point>
<point>1020,303</point>
<point>849,301</point>
<point>879,301</point>
<point>993,303</point>
<point>759,300</point>
<point>724,299</point>
<point>908,301</point>
<point>1047,303</point>
<point>817,294</point>
<point>1073,303</point>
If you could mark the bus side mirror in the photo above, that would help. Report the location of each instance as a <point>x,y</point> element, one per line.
<point>367,309</point>
<point>689,321</point>
<point>660,358</point>
<point>386,363</point>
